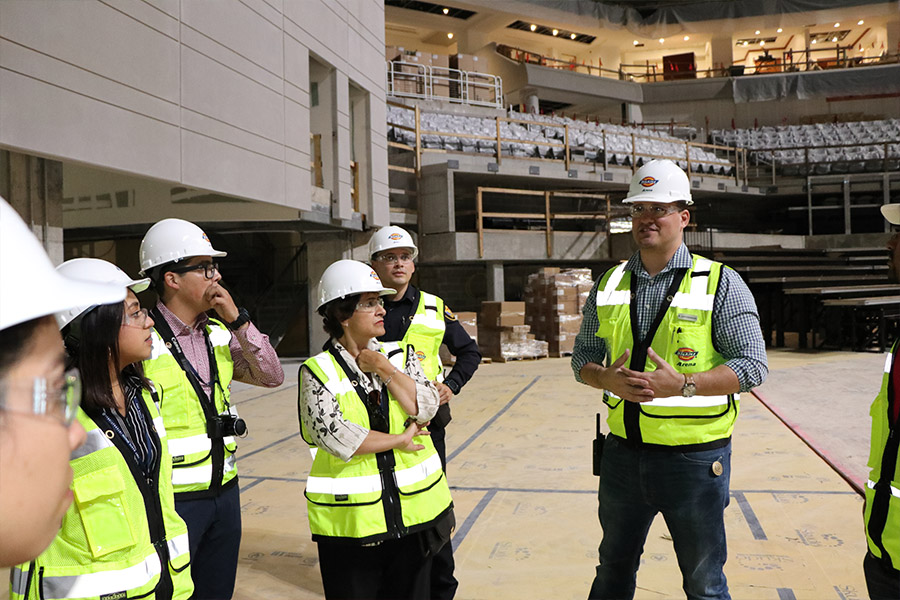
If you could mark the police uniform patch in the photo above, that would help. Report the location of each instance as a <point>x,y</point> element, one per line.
<point>448,314</point>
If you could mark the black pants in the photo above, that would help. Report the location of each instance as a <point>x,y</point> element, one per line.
<point>882,582</point>
<point>392,570</point>
<point>214,537</point>
<point>443,583</point>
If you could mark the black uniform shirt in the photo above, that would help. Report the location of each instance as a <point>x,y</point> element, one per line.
<point>400,314</point>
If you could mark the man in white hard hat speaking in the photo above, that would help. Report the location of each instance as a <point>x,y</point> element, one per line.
<point>671,338</point>
<point>195,358</point>
<point>423,320</point>
<point>881,564</point>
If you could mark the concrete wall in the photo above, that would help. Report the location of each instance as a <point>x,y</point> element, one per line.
<point>211,94</point>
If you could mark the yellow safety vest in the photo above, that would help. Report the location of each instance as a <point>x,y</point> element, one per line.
<point>684,340</point>
<point>372,497</point>
<point>426,333</point>
<point>882,512</point>
<point>118,533</point>
<point>195,457</point>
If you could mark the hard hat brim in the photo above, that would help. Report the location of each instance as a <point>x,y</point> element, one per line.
<point>891,212</point>
<point>638,198</point>
<point>60,293</point>
<point>381,292</point>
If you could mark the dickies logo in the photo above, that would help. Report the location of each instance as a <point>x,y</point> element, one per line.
<point>420,355</point>
<point>206,239</point>
<point>648,182</point>
<point>374,276</point>
<point>685,354</point>
<point>395,237</point>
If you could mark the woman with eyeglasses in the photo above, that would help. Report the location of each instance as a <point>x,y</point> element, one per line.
<point>121,537</point>
<point>38,399</point>
<point>378,503</point>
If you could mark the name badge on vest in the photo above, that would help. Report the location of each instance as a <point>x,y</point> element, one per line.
<point>685,317</point>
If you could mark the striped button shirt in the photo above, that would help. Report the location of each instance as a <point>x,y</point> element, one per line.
<point>736,330</point>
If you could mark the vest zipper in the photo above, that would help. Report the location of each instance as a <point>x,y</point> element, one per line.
<point>391,494</point>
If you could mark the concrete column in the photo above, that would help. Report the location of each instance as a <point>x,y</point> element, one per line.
<point>341,201</point>
<point>34,189</point>
<point>633,113</point>
<point>436,199</point>
<point>494,276</point>
<point>893,36</point>
<point>532,105</point>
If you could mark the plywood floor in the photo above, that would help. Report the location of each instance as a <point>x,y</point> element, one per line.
<point>519,469</point>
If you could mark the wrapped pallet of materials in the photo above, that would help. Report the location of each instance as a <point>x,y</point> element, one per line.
<point>554,299</point>
<point>503,334</point>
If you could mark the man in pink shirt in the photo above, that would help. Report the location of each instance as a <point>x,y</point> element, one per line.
<point>195,357</point>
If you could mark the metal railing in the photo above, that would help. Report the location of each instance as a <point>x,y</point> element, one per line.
<point>425,82</point>
<point>734,160</point>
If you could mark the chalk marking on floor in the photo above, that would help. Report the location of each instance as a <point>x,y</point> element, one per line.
<point>463,529</point>
<point>749,516</point>
<point>490,421</point>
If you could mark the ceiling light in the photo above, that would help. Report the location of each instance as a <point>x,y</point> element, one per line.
<point>837,24</point>
<point>746,43</point>
<point>555,31</point>
<point>635,42</point>
<point>573,36</point>
<point>687,37</point>
<point>450,36</point>
<point>779,30</point>
<point>533,27</point>
<point>834,39</point>
<point>813,42</point>
<point>860,22</point>
<point>756,32</point>
<point>661,40</point>
<point>762,42</point>
<point>446,11</point>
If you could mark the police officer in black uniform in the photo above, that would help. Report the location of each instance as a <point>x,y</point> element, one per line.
<point>392,252</point>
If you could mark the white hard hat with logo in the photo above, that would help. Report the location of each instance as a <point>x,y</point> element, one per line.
<point>891,212</point>
<point>98,271</point>
<point>390,237</point>
<point>346,278</point>
<point>29,285</point>
<point>172,240</point>
<point>659,181</point>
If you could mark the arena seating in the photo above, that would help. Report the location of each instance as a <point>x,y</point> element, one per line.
<point>544,137</point>
<point>820,148</point>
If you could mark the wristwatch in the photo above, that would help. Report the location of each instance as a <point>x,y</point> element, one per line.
<point>689,388</point>
<point>454,387</point>
<point>243,317</point>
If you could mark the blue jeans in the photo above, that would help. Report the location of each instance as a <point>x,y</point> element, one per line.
<point>635,485</point>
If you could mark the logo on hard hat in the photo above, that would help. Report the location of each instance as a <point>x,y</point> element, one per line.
<point>648,182</point>
<point>685,354</point>
<point>420,355</point>
<point>206,239</point>
<point>374,276</point>
<point>395,236</point>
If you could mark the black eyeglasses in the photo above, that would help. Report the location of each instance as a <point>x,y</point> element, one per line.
<point>209,269</point>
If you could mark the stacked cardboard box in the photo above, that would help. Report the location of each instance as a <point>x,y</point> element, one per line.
<point>469,321</point>
<point>554,299</point>
<point>503,334</point>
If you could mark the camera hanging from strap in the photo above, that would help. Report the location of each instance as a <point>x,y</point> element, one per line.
<point>378,413</point>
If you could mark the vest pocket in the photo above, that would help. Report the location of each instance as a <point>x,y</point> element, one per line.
<point>174,408</point>
<point>689,348</point>
<point>99,497</point>
<point>425,352</point>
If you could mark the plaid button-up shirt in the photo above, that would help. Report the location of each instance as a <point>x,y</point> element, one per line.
<point>735,320</point>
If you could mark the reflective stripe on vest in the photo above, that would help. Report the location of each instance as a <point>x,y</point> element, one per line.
<point>96,440</point>
<point>200,474</point>
<point>895,492</point>
<point>105,582</point>
<point>694,401</point>
<point>426,334</point>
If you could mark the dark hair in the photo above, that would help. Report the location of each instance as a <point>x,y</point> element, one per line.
<point>15,340</point>
<point>682,205</point>
<point>339,309</point>
<point>157,277</point>
<point>91,344</point>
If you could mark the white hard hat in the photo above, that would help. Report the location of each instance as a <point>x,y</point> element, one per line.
<point>346,278</point>
<point>891,212</point>
<point>390,237</point>
<point>29,285</point>
<point>98,271</point>
<point>171,240</point>
<point>659,181</point>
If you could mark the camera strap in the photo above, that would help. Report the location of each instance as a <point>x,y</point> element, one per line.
<point>207,403</point>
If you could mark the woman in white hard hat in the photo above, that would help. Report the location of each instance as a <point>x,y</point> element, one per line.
<point>38,399</point>
<point>378,502</point>
<point>122,534</point>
